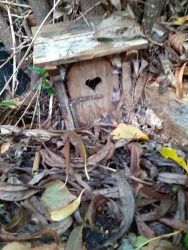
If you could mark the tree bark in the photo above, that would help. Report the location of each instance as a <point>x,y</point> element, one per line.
<point>40,10</point>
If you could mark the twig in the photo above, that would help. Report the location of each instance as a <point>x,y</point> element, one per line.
<point>30,46</point>
<point>15,4</point>
<point>27,107</point>
<point>14,84</point>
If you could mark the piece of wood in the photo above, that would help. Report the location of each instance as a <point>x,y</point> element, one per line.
<point>68,42</point>
<point>172,112</point>
<point>63,100</point>
<point>92,101</point>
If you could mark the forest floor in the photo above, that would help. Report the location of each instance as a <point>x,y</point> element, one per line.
<point>118,178</point>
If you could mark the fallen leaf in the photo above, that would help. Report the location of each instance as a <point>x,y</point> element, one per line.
<point>140,240</point>
<point>16,192</point>
<point>15,246</point>
<point>176,41</point>
<point>65,212</point>
<point>158,211</point>
<point>18,220</point>
<point>75,239</point>
<point>4,147</point>
<point>136,152</point>
<point>66,153</point>
<point>181,20</point>
<point>97,201</point>
<point>129,132</point>
<point>77,142</point>
<point>55,197</point>
<point>179,81</point>
<point>105,152</point>
<point>171,153</point>
<point>172,178</point>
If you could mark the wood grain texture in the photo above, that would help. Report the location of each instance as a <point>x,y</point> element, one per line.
<point>67,42</point>
<point>92,109</point>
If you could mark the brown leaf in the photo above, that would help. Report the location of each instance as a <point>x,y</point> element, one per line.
<point>97,201</point>
<point>143,229</point>
<point>19,219</point>
<point>179,81</point>
<point>52,159</point>
<point>176,41</point>
<point>16,192</point>
<point>136,152</point>
<point>77,142</point>
<point>127,207</point>
<point>105,152</point>
<point>66,152</point>
<point>158,211</point>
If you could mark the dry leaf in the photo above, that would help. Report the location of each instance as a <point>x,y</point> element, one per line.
<point>75,239</point>
<point>176,41</point>
<point>16,246</point>
<point>129,132</point>
<point>181,20</point>
<point>4,147</point>
<point>179,81</point>
<point>78,144</point>
<point>16,192</point>
<point>171,153</point>
<point>65,212</point>
<point>106,152</point>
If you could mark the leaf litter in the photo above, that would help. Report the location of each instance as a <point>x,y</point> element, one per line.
<point>118,183</point>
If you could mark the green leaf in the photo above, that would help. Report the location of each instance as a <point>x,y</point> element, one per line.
<point>185,240</point>
<point>75,239</point>
<point>40,71</point>
<point>8,104</point>
<point>140,240</point>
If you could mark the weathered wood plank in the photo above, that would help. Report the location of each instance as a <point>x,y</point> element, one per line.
<point>69,42</point>
<point>173,113</point>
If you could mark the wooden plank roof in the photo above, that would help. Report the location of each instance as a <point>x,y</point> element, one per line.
<point>67,42</point>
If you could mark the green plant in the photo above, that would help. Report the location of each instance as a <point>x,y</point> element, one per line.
<point>43,82</point>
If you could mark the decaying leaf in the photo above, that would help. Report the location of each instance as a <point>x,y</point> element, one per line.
<point>127,207</point>
<point>171,153</point>
<point>79,145</point>
<point>136,152</point>
<point>16,192</point>
<point>19,219</point>
<point>172,178</point>
<point>65,212</point>
<point>52,159</point>
<point>129,132</point>
<point>97,201</point>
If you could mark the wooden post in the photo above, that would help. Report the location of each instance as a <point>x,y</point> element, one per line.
<point>58,81</point>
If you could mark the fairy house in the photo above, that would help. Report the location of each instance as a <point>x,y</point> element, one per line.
<point>77,54</point>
